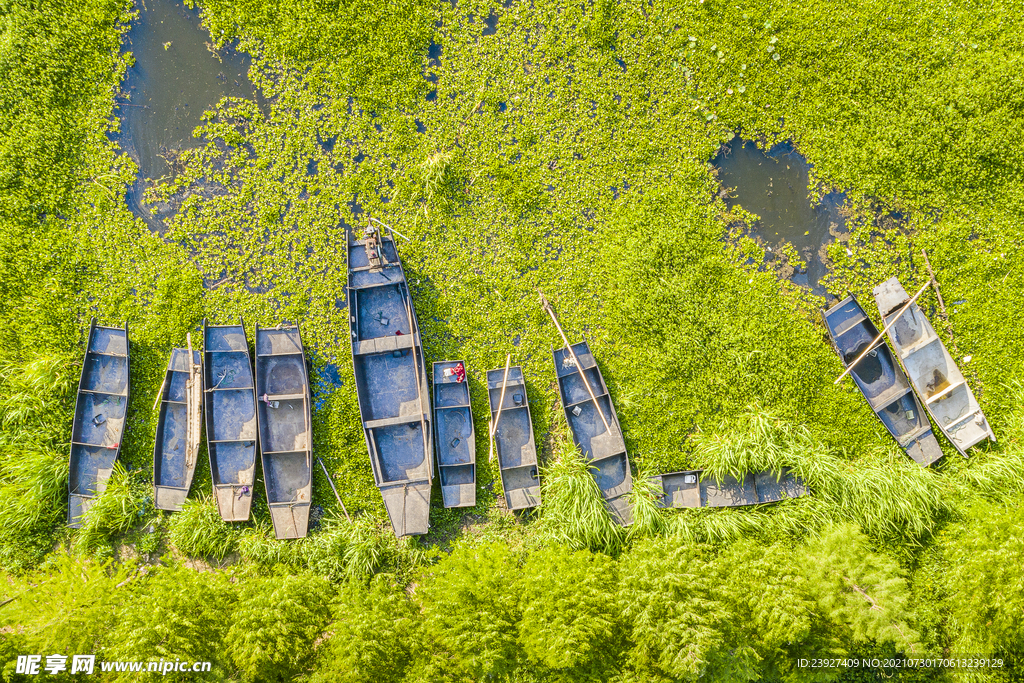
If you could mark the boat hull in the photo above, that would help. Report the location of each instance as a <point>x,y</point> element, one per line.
<point>935,375</point>
<point>230,415</point>
<point>882,381</point>
<point>285,427</point>
<point>513,439</point>
<point>454,434</point>
<point>100,412</point>
<point>391,382</point>
<point>688,490</point>
<point>604,448</point>
<point>177,431</point>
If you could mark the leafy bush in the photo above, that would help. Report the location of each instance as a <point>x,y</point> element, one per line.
<point>68,606</point>
<point>863,591</point>
<point>373,635</point>
<point>275,624</point>
<point>174,613</point>
<point>568,602</point>
<point>986,597</point>
<point>470,611</point>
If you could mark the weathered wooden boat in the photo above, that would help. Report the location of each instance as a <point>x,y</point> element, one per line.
<point>230,409</point>
<point>285,426</point>
<point>178,429</point>
<point>599,438</point>
<point>454,434</point>
<point>513,438</point>
<point>391,380</point>
<point>882,381</point>
<point>932,370</point>
<point>100,409</point>
<point>688,490</point>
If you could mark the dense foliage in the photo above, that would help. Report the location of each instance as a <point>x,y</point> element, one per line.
<point>525,145</point>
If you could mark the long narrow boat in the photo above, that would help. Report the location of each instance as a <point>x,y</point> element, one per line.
<point>513,438</point>
<point>455,436</point>
<point>178,429</point>
<point>391,380</point>
<point>687,490</point>
<point>286,427</point>
<point>604,447</point>
<point>932,370</point>
<point>882,381</point>
<point>230,408</point>
<point>100,409</point>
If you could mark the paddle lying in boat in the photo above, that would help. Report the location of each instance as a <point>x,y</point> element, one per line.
<point>177,429</point>
<point>230,406</point>
<point>286,427</point>
<point>687,490</point>
<point>100,407</point>
<point>513,438</point>
<point>456,438</point>
<point>597,434</point>
<point>932,371</point>
<point>391,380</point>
<point>881,380</point>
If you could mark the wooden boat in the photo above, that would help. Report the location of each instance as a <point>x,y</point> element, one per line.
<point>178,429</point>
<point>604,447</point>
<point>932,370</point>
<point>285,426</point>
<point>100,409</point>
<point>391,380</point>
<point>687,490</point>
<point>882,381</point>
<point>455,436</point>
<point>513,439</point>
<point>230,409</point>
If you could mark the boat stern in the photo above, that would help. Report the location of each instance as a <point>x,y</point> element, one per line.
<point>408,507</point>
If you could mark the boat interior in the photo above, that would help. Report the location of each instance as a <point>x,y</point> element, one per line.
<point>100,412</point>
<point>283,409</point>
<point>456,440</point>
<point>603,446</point>
<point>513,438</point>
<point>231,431</point>
<point>173,466</point>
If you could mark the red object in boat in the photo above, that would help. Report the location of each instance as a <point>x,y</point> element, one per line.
<point>460,373</point>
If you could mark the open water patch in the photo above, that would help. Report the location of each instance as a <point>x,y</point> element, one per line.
<point>177,75</point>
<point>775,185</point>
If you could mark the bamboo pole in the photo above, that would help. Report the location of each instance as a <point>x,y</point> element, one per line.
<point>874,343</point>
<point>579,366</point>
<point>329,481</point>
<point>501,402</point>
<point>193,406</point>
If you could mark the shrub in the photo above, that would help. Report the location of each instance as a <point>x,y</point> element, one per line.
<point>275,624</point>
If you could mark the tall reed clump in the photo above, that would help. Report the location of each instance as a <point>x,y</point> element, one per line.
<point>886,493</point>
<point>573,512</point>
<point>648,518</point>
<point>122,505</point>
<point>199,532</point>
<point>35,403</point>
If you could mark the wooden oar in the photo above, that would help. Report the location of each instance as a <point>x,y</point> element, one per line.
<point>497,415</point>
<point>329,481</point>
<point>579,366</point>
<point>882,334</point>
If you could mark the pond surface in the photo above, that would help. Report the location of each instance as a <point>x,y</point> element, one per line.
<point>775,186</point>
<point>176,77</point>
